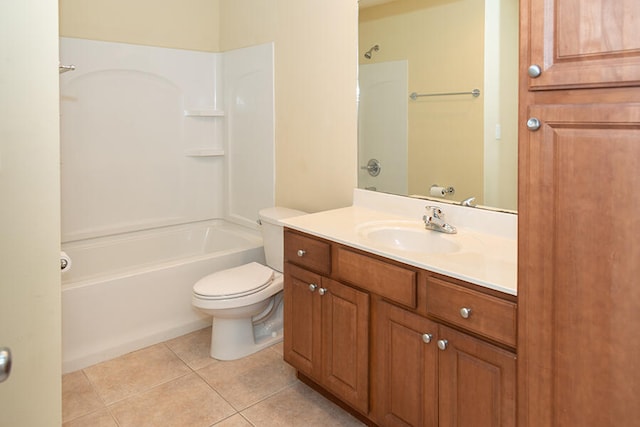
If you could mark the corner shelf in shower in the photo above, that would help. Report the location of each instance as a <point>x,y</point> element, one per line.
<point>203,112</point>
<point>204,152</point>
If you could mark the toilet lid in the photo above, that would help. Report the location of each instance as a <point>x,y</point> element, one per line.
<point>234,282</point>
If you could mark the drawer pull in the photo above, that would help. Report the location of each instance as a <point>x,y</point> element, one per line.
<point>465,312</point>
<point>427,338</point>
<point>313,287</point>
<point>301,252</point>
<point>442,344</point>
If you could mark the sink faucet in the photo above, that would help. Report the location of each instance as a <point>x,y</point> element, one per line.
<point>434,220</point>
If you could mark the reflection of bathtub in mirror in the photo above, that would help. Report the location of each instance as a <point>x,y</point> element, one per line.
<point>463,141</point>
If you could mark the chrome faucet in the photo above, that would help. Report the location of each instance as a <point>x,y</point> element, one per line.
<point>434,220</point>
<point>470,201</point>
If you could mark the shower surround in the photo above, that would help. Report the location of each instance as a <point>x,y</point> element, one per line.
<point>154,139</point>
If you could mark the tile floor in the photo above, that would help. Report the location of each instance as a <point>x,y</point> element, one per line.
<point>176,383</point>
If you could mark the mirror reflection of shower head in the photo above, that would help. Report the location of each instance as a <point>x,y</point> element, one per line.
<point>375,48</point>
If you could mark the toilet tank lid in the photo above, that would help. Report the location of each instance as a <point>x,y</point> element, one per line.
<point>273,215</point>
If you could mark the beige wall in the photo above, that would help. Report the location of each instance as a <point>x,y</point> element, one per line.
<point>443,43</point>
<point>315,86</point>
<point>187,24</point>
<point>315,73</point>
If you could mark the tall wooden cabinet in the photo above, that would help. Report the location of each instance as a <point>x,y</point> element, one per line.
<point>579,214</point>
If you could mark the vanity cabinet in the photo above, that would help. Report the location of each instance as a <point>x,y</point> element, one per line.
<point>368,330</point>
<point>477,382</point>
<point>326,323</point>
<point>406,392</point>
<point>429,374</point>
<point>578,252</point>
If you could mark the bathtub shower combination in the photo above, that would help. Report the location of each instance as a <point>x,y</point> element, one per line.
<point>131,290</point>
<point>159,186</point>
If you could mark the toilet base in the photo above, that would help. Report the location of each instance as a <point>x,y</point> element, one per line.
<point>233,339</point>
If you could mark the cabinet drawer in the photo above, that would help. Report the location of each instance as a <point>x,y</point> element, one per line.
<point>385,279</point>
<point>307,252</point>
<point>486,315</point>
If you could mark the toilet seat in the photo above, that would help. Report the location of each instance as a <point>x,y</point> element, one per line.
<point>234,282</point>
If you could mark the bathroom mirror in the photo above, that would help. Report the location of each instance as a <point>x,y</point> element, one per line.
<point>458,133</point>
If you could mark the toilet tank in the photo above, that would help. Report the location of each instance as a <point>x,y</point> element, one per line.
<point>272,234</point>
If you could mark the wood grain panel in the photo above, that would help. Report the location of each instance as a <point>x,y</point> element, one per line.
<point>579,267</point>
<point>382,278</point>
<point>580,43</point>
<point>490,316</point>
<point>407,392</point>
<point>345,349</point>
<point>477,383</point>
<point>302,316</point>
<point>315,255</point>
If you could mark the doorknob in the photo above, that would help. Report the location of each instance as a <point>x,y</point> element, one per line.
<point>5,363</point>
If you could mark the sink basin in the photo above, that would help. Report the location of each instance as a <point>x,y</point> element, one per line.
<point>410,236</point>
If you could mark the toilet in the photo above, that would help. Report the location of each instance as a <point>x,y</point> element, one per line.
<point>246,301</point>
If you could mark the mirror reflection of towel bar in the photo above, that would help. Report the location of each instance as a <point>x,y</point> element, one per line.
<point>475,93</point>
<point>65,68</point>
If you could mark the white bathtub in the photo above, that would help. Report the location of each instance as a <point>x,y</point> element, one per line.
<point>132,290</point>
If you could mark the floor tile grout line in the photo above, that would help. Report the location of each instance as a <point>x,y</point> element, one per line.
<point>107,405</point>
<point>252,404</point>
<point>190,370</point>
<point>148,389</point>
<point>275,393</point>
<point>93,389</point>
<point>247,419</point>
<point>217,392</point>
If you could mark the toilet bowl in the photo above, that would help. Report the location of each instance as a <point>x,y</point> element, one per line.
<point>246,301</point>
<point>239,299</point>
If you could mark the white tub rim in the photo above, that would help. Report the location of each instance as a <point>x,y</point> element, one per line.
<point>252,237</point>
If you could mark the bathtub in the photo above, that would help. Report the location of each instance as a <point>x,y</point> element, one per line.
<point>132,290</point>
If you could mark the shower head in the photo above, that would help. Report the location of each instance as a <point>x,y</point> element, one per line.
<point>375,48</point>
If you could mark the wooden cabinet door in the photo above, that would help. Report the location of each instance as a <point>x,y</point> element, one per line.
<point>302,316</point>
<point>477,383</point>
<point>406,393</point>
<point>581,43</point>
<point>579,264</point>
<point>345,343</point>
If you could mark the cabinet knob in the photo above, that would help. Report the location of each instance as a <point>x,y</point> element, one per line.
<point>534,71</point>
<point>322,291</point>
<point>427,338</point>
<point>465,312</point>
<point>442,344</point>
<point>301,252</point>
<point>313,287</point>
<point>533,124</point>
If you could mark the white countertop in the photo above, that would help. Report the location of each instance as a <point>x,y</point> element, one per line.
<point>484,257</point>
